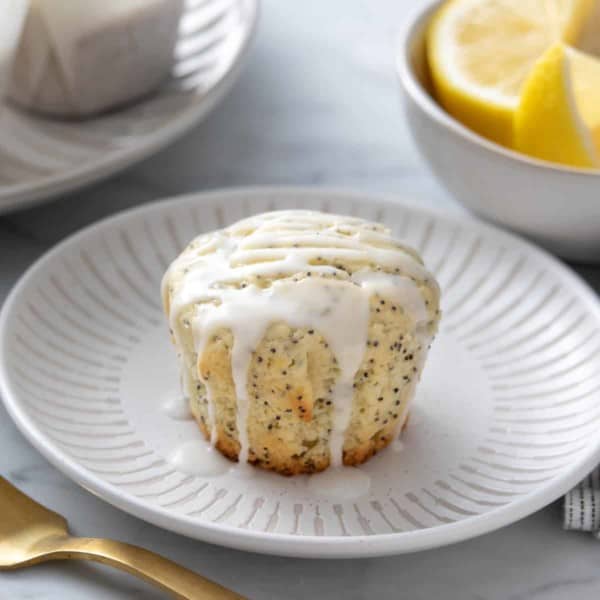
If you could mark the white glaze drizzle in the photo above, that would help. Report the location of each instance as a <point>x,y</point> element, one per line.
<point>197,457</point>
<point>178,408</point>
<point>212,417</point>
<point>397,445</point>
<point>217,274</point>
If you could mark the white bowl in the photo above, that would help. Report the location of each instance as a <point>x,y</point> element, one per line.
<point>557,206</point>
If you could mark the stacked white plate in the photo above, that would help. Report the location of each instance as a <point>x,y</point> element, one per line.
<point>40,158</point>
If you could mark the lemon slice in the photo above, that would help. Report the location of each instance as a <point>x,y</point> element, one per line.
<point>549,122</point>
<point>481,51</point>
<point>585,78</point>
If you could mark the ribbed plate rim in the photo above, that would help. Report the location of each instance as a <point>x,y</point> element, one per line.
<point>305,546</point>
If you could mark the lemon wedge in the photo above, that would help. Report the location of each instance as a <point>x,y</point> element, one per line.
<point>481,52</point>
<point>549,122</point>
<point>585,78</point>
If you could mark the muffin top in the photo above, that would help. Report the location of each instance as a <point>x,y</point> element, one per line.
<point>304,268</point>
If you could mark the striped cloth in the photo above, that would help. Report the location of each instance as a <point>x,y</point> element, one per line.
<point>582,505</point>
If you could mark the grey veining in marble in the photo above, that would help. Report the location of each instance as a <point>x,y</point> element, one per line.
<point>317,104</point>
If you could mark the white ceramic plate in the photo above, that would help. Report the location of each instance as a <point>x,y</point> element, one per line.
<point>41,158</point>
<point>505,421</point>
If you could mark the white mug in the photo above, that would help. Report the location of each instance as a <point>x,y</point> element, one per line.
<point>12,17</point>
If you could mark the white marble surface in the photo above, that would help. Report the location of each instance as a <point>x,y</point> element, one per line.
<point>317,104</point>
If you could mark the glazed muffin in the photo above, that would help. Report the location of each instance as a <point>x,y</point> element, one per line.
<point>301,337</point>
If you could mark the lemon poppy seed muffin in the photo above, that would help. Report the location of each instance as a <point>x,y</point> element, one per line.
<point>301,337</point>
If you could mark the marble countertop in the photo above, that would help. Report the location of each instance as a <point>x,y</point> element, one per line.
<point>317,104</point>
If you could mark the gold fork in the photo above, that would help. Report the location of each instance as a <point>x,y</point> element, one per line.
<point>30,534</point>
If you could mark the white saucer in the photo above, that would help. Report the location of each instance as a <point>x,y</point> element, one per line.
<point>505,421</point>
<point>41,158</point>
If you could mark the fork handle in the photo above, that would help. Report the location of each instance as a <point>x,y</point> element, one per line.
<point>156,569</point>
